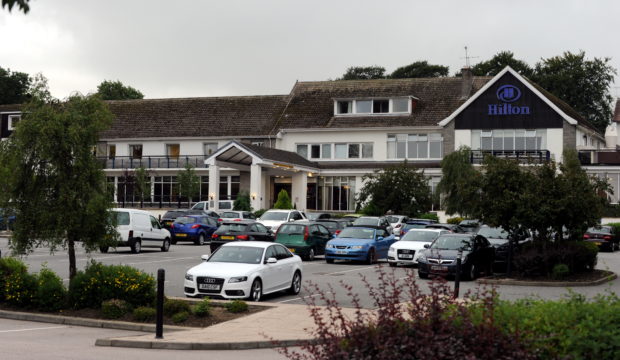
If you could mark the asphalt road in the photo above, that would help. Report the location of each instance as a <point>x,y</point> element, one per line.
<point>327,276</point>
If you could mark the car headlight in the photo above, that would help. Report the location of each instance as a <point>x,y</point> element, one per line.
<point>329,246</point>
<point>189,277</point>
<point>357,247</point>
<point>391,250</point>
<point>237,279</point>
<point>422,257</point>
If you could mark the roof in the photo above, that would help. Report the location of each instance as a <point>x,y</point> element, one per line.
<point>194,117</point>
<point>241,153</point>
<point>311,104</point>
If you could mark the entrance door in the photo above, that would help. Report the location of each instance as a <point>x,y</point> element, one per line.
<point>311,197</point>
<point>277,187</point>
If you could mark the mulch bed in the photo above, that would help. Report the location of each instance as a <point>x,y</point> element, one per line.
<point>218,314</point>
<point>576,278</point>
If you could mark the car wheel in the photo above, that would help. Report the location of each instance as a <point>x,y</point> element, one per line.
<point>166,246</point>
<point>372,257</point>
<point>329,261</point>
<point>310,256</point>
<point>472,272</point>
<point>295,284</point>
<point>392,264</point>
<point>201,240</point>
<point>256,292</point>
<point>422,275</point>
<point>103,249</point>
<point>136,247</point>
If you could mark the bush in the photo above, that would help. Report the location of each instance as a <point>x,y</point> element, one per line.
<point>174,306</point>
<point>144,314</point>
<point>236,306</point>
<point>242,203</point>
<point>8,266</point>
<point>284,201</point>
<point>51,294</point>
<point>20,289</point>
<point>114,309</point>
<point>429,216</point>
<point>180,317</point>
<point>203,308</point>
<point>455,220</point>
<point>430,326</point>
<point>560,271</point>
<point>99,282</point>
<point>533,260</point>
<point>615,228</point>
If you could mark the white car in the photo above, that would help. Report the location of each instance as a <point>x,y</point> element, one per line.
<point>407,250</point>
<point>272,219</point>
<point>248,269</point>
<point>397,222</point>
<point>139,229</point>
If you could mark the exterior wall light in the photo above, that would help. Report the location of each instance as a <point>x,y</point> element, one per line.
<point>211,196</point>
<point>253,195</point>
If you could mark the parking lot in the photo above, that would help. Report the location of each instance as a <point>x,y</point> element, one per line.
<point>181,257</point>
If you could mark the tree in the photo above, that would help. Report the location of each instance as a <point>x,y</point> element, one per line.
<point>142,187</point>
<point>583,84</point>
<point>57,188</point>
<point>14,87</point>
<point>498,62</point>
<point>189,183</point>
<point>364,73</point>
<point>400,188</point>
<point>242,202</point>
<point>22,4</point>
<point>420,69</point>
<point>284,201</point>
<point>460,184</point>
<point>115,90</point>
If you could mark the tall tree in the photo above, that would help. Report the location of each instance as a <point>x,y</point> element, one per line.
<point>498,62</point>
<point>14,87</point>
<point>22,4</point>
<point>460,184</point>
<point>364,73</point>
<point>115,90</point>
<point>142,187</point>
<point>400,188</point>
<point>420,69</point>
<point>57,188</point>
<point>189,183</point>
<point>583,84</point>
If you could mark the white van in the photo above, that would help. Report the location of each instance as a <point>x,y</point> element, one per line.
<point>138,229</point>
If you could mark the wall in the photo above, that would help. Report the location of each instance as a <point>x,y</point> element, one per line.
<point>461,138</point>
<point>556,141</point>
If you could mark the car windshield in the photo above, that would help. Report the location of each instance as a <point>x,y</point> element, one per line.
<point>600,229</point>
<point>452,243</point>
<point>393,219</point>
<point>224,228</point>
<point>493,233</point>
<point>185,220</point>
<point>230,215</point>
<point>417,235</point>
<point>414,226</point>
<point>357,233</point>
<point>122,217</point>
<point>366,221</point>
<point>313,216</point>
<point>292,229</point>
<point>237,254</point>
<point>275,216</point>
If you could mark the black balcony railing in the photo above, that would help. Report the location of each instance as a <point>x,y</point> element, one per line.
<point>153,162</point>
<point>523,156</point>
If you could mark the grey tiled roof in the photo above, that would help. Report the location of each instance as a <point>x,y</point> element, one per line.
<point>278,155</point>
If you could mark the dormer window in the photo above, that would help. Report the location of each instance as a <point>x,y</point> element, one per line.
<point>373,106</point>
<point>13,120</point>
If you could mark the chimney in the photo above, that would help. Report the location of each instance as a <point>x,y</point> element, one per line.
<point>467,81</point>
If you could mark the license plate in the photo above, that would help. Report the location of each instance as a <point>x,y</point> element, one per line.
<point>228,238</point>
<point>405,256</point>
<point>439,268</point>
<point>180,235</point>
<point>598,243</point>
<point>209,287</point>
<point>341,252</point>
<point>291,250</point>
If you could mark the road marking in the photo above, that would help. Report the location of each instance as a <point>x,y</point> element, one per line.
<point>346,271</point>
<point>32,329</point>
<point>301,298</point>
<point>158,261</point>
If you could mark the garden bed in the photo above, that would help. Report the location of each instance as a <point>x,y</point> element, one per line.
<point>594,277</point>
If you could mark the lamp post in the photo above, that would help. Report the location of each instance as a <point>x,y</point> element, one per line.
<point>457,275</point>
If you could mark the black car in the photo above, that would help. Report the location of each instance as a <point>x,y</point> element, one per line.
<point>498,238</point>
<point>470,225</point>
<point>335,226</point>
<point>239,230</point>
<point>202,212</point>
<point>603,237</point>
<point>169,217</point>
<point>439,258</point>
<point>450,227</point>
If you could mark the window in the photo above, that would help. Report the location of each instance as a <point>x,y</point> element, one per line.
<point>344,107</point>
<point>363,106</point>
<point>341,151</point>
<point>173,150</point>
<point>210,148</point>
<point>381,106</point>
<point>367,151</point>
<point>258,143</point>
<point>111,151</point>
<point>135,151</point>
<point>154,223</point>
<point>166,189</point>
<point>315,151</point>
<point>13,120</point>
<point>373,106</point>
<point>336,193</point>
<point>354,151</point>
<point>415,146</point>
<point>303,150</point>
<point>509,139</point>
<point>327,151</point>
<point>400,105</point>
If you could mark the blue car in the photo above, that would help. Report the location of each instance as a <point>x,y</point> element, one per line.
<point>6,224</point>
<point>195,228</point>
<point>359,243</point>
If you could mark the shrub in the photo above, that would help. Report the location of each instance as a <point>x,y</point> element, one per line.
<point>615,228</point>
<point>242,203</point>
<point>180,317</point>
<point>430,326</point>
<point>429,216</point>
<point>8,266</point>
<point>51,294</point>
<point>284,201</point>
<point>114,309</point>
<point>533,260</point>
<point>203,308</point>
<point>144,313</point>
<point>99,282</point>
<point>174,306</point>
<point>237,306</point>
<point>20,289</point>
<point>560,271</point>
<point>455,220</point>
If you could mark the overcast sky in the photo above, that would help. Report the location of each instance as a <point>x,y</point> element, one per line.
<point>220,48</point>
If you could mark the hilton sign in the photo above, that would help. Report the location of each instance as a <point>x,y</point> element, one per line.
<point>508,94</point>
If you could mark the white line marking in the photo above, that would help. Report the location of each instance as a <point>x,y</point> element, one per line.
<point>157,261</point>
<point>301,298</point>
<point>346,271</point>
<point>32,329</point>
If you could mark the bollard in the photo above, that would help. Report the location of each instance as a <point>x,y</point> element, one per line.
<point>457,275</point>
<point>159,327</point>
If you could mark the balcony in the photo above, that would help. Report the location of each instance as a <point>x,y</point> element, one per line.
<point>153,162</point>
<point>522,156</point>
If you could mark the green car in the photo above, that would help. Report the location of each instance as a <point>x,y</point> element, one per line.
<point>304,238</point>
